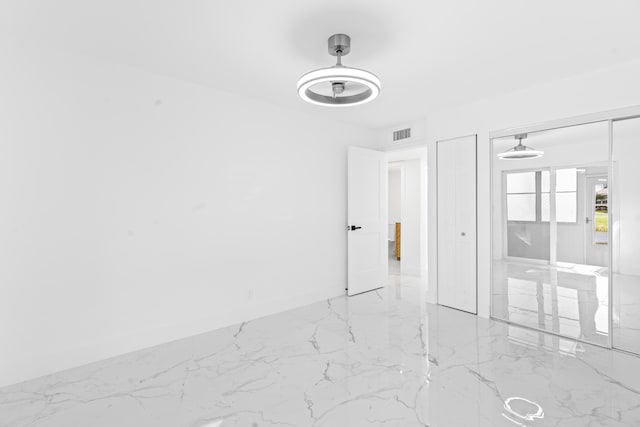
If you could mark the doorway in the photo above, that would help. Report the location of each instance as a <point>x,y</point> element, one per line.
<point>368,226</point>
<point>597,220</point>
<point>406,228</point>
<point>394,232</point>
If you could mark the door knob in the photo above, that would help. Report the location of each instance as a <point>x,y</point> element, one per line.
<point>463,234</point>
<point>353,227</point>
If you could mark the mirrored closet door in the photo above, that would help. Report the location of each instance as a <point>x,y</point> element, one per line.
<point>626,234</point>
<point>550,231</point>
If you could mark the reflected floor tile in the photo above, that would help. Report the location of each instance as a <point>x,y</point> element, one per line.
<point>383,358</point>
<point>626,312</point>
<point>571,299</point>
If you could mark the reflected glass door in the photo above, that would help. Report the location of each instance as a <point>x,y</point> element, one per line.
<point>597,220</point>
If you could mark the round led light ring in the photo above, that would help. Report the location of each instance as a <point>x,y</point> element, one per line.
<point>342,74</point>
<point>539,414</point>
<point>522,154</point>
<point>341,71</point>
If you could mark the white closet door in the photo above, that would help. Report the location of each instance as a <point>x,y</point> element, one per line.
<point>457,257</point>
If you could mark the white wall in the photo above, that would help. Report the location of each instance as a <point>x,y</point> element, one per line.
<point>604,89</point>
<point>411,227</point>
<point>139,209</point>
<point>395,195</point>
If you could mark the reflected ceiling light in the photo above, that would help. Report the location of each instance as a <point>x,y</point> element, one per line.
<point>339,86</point>
<point>529,416</point>
<point>521,151</point>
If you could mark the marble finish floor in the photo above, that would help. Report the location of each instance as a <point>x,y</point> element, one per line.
<point>394,266</point>
<point>571,300</point>
<point>383,358</point>
<point>626,312</point>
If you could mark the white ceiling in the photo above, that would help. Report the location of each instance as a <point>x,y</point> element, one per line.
<point>428,54</point>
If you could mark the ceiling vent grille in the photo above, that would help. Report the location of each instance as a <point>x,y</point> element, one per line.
<point>402,134</point>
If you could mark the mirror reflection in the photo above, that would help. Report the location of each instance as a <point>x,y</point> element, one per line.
<point>626,234</point>
<point>550,231</point>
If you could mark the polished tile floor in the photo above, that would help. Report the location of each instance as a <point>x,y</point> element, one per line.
<point>569,299</point>
<point>626,312</point>
<point>383,358</point>
<point>394,266</point>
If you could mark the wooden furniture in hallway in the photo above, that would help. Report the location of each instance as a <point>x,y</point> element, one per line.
<point>398,241</point>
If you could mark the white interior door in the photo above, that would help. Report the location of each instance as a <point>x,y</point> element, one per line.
<point>367,220</point>
<point>457,273</point>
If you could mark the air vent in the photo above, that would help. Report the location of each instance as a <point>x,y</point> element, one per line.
<point>402,134</point>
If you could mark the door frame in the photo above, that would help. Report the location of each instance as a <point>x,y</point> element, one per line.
<point>589,230</point>
<point>475,136</point>
<point>424,233</point>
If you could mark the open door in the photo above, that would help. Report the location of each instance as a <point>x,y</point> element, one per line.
<point>367,251</point>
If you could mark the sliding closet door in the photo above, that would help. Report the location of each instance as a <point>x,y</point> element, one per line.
<point>457,282</point>
<point>626,234</point>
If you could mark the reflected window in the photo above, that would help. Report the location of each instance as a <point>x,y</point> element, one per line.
<point>521,196</point>
<point>545,196</point>
<point>529,196</point>
<point>600,200</point>
<point>566,195</point>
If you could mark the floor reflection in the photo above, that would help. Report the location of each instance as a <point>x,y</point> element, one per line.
<point>568,299</point>
<point>626,312</point>
<point>520,409</point>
